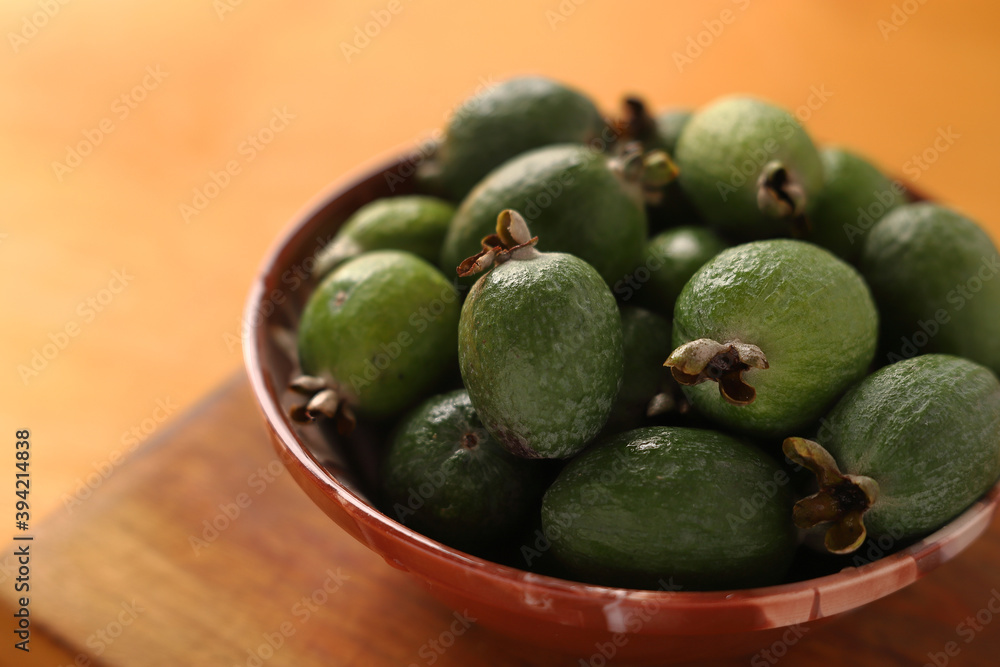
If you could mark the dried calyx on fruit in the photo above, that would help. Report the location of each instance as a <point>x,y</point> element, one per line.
<point>705,359</point>
<point>539,344</point>
<point>841,501</point>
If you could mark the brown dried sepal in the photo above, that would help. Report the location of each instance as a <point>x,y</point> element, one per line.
<point>513,240</point>
<point>705,359</point>
<point>781,195</point>
<point>841,501</point>
<point>324,400</point>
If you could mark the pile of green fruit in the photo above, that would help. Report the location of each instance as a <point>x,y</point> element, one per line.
<point>616,350</point>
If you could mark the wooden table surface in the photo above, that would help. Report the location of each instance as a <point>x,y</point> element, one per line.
<point>205,552</point>
<point>167,93</point>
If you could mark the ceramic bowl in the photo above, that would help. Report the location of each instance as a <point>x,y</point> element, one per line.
<point>655,627</point>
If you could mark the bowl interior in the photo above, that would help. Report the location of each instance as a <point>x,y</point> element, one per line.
<point>339,475</point>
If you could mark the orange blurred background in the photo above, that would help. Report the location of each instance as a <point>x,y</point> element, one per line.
<point>114,115</point>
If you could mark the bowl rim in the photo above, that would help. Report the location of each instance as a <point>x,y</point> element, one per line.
<point>901,568</point>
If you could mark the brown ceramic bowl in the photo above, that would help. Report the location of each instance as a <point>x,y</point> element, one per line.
<point>653,627</point>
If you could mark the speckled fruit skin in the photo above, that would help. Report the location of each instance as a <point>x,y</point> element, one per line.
<point>855,195</point>
<point>570,198</point>
<point>383,327</point>
<point>927,430</point>
<point>935,275</point>
<point>645,344</point>
<point>733,133</point>
<point>506,120</point>
<point>808,311</point>
<point>540,350</point>
<point>446,477</point>
<point>672,257</point>
<point>691,507</point>
<point>414,223</point>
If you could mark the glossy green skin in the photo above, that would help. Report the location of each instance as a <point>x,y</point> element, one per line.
<point>924,264</point>
<point>673,257</point>
<point>503,122</point>
<point>540,350</point>
<point>666,503</point>
<point>572,201</point>
<point>385,308</point>
<point>855,195</point>
<point>447,478</point>
<point>808,311</point>
<point>645,344</point>
<point>715,144</point>
<point>414,223</point>
<point>927,430</point>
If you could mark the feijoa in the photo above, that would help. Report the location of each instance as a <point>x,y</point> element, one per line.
<point>749,168</point>
<point>414,223</point>
<point>783,326</point>
<point>539,345</point>
<point>647,388</point>
<point>934,274</point>
<point>855,195</point>
<point>376,335</point>
<point>448,478</point>
<point>697,507</point>
<point>504,121</point>
<point>578,201</point>
<point>672,257</point>
<point>902,453</point>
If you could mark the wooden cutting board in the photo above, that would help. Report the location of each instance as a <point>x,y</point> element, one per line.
<point>201,550</point>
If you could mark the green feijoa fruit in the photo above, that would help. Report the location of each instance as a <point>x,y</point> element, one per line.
<point>783,326</point>
<point>695,507</point>
<point>376,335</point>
<point>578,201</point>
<point>749,168</point>
<point>646,384</point>
<point>934,274</point>
<point>669,125</point>
<point>855,195</point>
<point>672,257</point>
<point>414,223</point>
<point>539,346</point>
<point>502,122</point>
<point>903,452</point>
<point>446,477</point>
